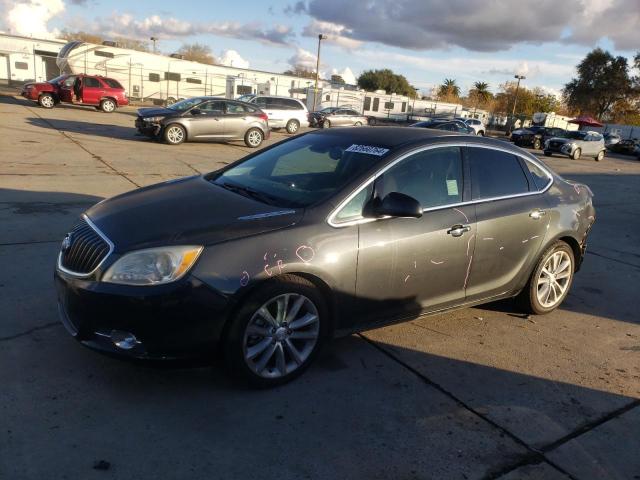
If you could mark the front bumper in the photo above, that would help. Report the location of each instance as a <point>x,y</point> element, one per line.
<point>183,320</point>
<point>30,94</point>
<point>561,149</point>
<point>148,128</point>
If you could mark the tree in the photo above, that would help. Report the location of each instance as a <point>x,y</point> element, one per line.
<point>300,71</point>
<point>479,96</point>
<point>197,52</point>
<point>386,80</point>
<point>133,44</point>
<point>449,91</point>
<point>337,79</point>
<point>602,81</point>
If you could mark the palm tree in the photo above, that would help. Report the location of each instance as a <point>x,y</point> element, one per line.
<point>449,89</point>
<point>481,91</point>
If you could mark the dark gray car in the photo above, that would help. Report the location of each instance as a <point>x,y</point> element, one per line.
<point>201,119</point>
<point>322,235</point>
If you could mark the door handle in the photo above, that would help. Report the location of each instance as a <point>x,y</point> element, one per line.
<point>537,214</point>
<point>458,230</point>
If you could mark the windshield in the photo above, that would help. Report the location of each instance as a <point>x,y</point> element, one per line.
<point>246,98</point>
<point>302,171</point>
<point>328,109</point>
<point>184,105</point>
<point>576,135</point>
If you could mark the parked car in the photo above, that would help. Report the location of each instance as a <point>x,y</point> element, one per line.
<point>478,127</point>
<point>611,139</point>
<point>626,147</point>
<point>315,117</point>
<point>575,144</point>
<point>535,136</point>
<point>446,125</point>
<point>204,119</point>
<point>283,112</point>
<point>637,151</point>
<point>103,93</point>
<point>324,234</point>
<point>342,117</point>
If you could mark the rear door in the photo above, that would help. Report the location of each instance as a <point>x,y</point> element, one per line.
<point>274,110</point>
<point>92,91</point>
<point>511,218</point>
<point>207,120</point>
<point>236,121</point>
<point>406,265</point>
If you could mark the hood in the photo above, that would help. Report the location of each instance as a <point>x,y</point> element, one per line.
<point>37,84</point>
<point>190,211</point>
<point>155,112</point>
<point>562,140</point>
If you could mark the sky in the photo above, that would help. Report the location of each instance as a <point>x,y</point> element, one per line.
<point>426,41</point>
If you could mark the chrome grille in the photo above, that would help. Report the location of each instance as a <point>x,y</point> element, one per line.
<point>83,249</point>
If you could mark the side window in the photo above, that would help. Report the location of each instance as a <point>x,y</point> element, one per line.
<point>91,82</point>
<point>376,104</point>
<point>495,174</point>
<point>261,102</point>
<point>235,108</point>
<point>69,81</point>
<point>433,177</point>
<point>353,113</point>
<point>540,178</point>
<point>292,105</point>
<point>216,107</point>
<point>367,103</point>
<point>353,209</point>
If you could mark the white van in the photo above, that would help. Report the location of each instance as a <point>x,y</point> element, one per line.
<point>283,112</point>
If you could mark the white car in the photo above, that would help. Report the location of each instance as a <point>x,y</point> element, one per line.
<point>477,125</point>
<point>283,112</point>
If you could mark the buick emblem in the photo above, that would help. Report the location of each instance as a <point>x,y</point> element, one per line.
<point>66,242</point>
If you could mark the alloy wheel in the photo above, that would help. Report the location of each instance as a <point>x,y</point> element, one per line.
<point>108,106</point>
<point>554,279</point>
<point>175,134</point>
<point>254,138</point>
<point>47,101</point>
<point>281,335</point>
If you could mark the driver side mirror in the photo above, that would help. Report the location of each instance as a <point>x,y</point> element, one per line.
<point>396,204</point>
<point>196,111</point>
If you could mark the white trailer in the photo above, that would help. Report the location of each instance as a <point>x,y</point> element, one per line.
<point>26,59</point>
<point>164,78</point>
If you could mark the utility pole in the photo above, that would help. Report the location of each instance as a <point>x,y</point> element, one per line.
<point>515,101</point>
<point>315,89</point>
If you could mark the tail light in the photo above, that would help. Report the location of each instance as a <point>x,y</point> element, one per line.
<point>263,116</point>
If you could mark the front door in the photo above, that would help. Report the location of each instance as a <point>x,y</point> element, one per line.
<point>407,265</point>
<point>91,91</point>
<point>511,222</point>
<point>207,120</point>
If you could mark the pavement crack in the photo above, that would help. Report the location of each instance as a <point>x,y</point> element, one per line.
<point>30,331</point>
<point>628,264</point>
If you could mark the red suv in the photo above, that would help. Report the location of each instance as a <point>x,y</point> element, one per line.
<point>103,93</point>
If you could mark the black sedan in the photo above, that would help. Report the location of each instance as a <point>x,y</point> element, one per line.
<point>535,136</point>
<point>320,235</point>
<point>447,125</point>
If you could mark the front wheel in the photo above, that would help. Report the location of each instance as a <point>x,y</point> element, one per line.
<point>481,133</point>
<point>253,138</point>
<point>357,124</point>
<point>277,332</point>
<point>46,100</point>
<point>175,134</point>
<point>600,155</point>
<point>293,126</point>
<point>107,105</point>
<point>576,154</point>
<point>550,282</point>
<point>537,144</point>
<point>326,124</point>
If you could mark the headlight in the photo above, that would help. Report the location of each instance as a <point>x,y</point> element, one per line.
<point>153,266</point>
<point>153,119</point>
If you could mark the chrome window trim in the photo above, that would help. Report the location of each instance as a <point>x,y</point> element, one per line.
<point>103,236</point>
<point>524,155</point>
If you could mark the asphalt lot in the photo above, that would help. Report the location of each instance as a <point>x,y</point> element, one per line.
<point>477,393</point>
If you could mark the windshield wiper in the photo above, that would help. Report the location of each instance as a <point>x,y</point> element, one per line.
<point>249,192</point>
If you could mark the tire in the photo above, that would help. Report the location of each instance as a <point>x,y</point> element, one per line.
<point>576,155</point>
<point>600,156</point>
<point>373,121</point>
<point>262,350</point>
<point>46,100</point>
<point>170,101</point>
<point>293,126</point>
<point>481,133</point>
<point>532,297</point>
<point>107,105</point>
<point>326,124</point>
<point>174,134</point>
<point>548,154</point>
<point>357,124</point>
<point>537,144</point>
<point>253,138</point>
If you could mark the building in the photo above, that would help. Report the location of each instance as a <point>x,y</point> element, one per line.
<point>26,59</point>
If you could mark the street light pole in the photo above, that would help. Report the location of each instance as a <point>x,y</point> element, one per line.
<point>154,40</point>
<point>515,100</point>
<point>315,89</point>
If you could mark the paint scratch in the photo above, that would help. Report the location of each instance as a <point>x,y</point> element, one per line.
<point>244,279</point>
<point>487,238</point>
<point>406,278</point>
<point>469,243</point>
<point>462,213</point>
<point>466,279</point>
<point>437,263</point>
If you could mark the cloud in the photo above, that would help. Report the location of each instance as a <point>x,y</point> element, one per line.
<point>336,34</point>
<point>479,26</point>
<point>231,58</point>
<point>30,18</point>
<point>346,74</point>
<point>304,59</point>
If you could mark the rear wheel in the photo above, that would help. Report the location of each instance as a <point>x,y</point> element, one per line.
<point>107,105</point>
<point>537,144</point>
<point>481,133</point>
<point>253,138</point>
<point>358,124</point>
<point>550,282</point>
<point>277,332</point>
<point>175,134</point>
<point>326,124</point>
<point>293,126</point>
<point>576,154</point>
<point>46,100</point>
<point>600,155</point>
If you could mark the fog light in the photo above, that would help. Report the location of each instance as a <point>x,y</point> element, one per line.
<point>123,340</point>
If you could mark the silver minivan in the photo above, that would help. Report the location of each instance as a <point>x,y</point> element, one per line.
<point>283,112</point>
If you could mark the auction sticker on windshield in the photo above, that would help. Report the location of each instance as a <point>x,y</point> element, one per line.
<point>368,149</point>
